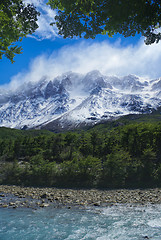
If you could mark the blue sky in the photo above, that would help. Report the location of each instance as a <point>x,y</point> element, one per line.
<point>47,54</point>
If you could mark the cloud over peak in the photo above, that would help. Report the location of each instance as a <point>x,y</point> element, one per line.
<point>109,59</point>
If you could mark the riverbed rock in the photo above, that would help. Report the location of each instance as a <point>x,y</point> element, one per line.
<point>92,197</point>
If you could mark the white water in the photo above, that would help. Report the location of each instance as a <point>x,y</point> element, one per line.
<point>120,222</point>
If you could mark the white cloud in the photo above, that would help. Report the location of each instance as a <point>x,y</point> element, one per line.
<point>109,59</point>
<point>45,30</point>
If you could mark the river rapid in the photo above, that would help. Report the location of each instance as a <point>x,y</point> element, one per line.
<point>119,221</point>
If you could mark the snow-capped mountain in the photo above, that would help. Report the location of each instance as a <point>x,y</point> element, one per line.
<point>74,100</point>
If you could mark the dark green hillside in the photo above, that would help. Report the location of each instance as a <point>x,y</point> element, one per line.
<point>11,133</point>
<point>154,117</point>
<point>122,153</point>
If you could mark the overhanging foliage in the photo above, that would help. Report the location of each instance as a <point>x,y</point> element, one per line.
<point>88,18</point>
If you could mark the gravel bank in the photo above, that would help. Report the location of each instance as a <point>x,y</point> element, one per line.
<point>16,196</point>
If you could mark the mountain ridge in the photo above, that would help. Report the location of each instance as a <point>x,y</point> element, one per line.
<point>73,100</point>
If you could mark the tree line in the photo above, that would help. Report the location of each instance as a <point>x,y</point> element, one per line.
<point>125,156</point>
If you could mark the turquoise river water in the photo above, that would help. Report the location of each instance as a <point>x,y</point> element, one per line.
<point>121,222</point>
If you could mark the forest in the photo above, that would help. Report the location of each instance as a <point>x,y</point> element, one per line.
<point>120,156</point>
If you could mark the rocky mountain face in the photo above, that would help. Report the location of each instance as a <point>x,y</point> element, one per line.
<point>74,100</point>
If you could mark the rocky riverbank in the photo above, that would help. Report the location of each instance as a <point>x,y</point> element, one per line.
<point>16,196</point>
